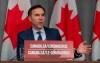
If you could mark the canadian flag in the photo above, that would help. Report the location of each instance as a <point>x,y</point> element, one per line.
<point>96,35</point>
<point>16,21</point>
<point>65,18</point>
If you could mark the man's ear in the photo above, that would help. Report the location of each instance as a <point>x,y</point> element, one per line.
<point>29,18</point>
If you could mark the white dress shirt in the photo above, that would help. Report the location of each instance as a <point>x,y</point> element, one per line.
<point>43,34</point>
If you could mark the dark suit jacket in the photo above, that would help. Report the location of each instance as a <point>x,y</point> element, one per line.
<point>51,34</point>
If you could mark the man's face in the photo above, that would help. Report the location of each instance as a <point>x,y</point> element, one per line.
<point>37,18</point>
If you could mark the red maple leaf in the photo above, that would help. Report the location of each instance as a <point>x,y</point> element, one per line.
<point>14,24</point>
<point>97,25</point>
<point>69,26</point>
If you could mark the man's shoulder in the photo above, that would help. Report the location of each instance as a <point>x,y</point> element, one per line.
<point>51,29</point>
<point>25,31</point>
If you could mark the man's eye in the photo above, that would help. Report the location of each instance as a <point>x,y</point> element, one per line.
<point>43,14</point>
<point>36,14</point>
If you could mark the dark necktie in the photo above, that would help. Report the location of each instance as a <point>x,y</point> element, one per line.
<point>39,37</point>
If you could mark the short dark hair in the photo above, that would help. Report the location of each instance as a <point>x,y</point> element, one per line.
<point>34,7</point>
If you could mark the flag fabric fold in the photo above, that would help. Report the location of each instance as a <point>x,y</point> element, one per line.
<point>96,34</point>
<point>65,19</point>
<point>16,21</point>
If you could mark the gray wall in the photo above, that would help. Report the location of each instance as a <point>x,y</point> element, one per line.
<point>3,9</point>
<point>86,9</point>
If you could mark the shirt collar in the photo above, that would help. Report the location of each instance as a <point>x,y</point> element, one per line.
<point>35,31</point>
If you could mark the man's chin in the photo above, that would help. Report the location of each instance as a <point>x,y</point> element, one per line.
<point>40,27</point>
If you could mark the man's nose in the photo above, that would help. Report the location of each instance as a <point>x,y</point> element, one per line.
<point>40,17</point>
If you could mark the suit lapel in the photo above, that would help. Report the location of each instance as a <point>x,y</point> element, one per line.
<point>47,33</point>
<point>30,34</point>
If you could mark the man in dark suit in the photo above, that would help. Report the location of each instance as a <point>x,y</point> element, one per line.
<point>39,32</point>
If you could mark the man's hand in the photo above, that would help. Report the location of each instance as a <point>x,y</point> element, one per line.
<point>84,48</point>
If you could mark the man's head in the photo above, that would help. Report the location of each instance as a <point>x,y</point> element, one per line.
<point>37,16</point>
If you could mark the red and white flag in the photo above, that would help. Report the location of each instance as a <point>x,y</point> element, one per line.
<point>65,18</point>
<point>96,34</point>
<point>16,21</point>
